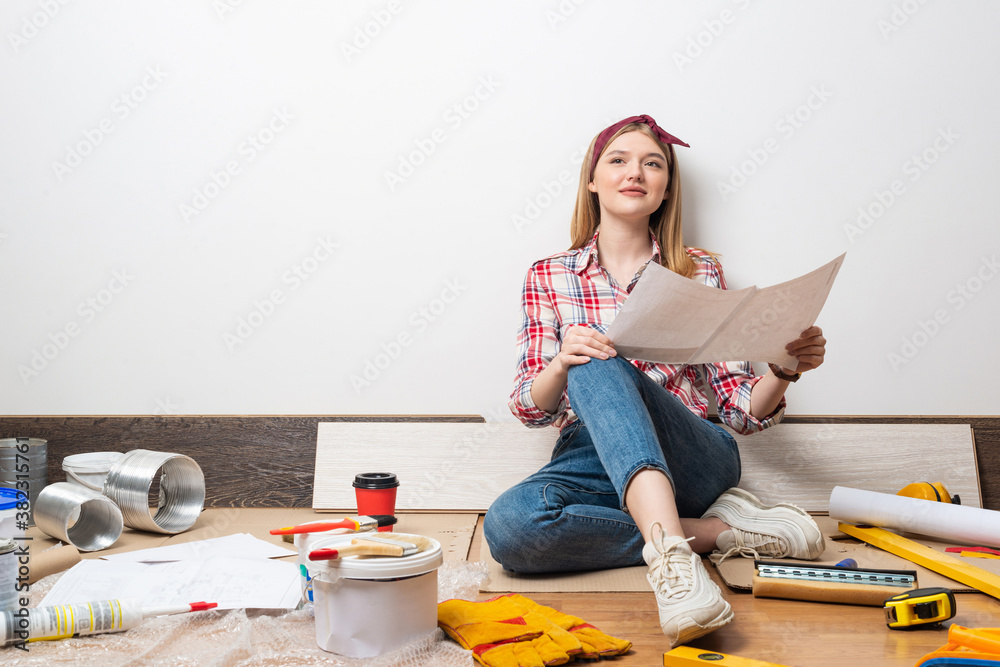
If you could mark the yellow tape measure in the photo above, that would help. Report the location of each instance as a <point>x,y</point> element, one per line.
<point>921,606</point>
<point>687,656</point>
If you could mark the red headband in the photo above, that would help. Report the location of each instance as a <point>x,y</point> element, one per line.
<point>602,139</point>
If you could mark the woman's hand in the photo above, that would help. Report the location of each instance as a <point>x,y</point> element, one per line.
<point>809,349</point>
<point>580,344</point>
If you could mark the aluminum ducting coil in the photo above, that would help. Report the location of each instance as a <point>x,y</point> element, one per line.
<point>173,507</point>
<point>78,516</point>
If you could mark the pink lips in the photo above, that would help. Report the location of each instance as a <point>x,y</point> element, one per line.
<point>633,192</point>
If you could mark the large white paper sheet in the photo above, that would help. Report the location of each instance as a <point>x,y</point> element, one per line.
<point>671,319</point>
<point>957,523</point>
<point>234,583</point>
<point>241,545</point>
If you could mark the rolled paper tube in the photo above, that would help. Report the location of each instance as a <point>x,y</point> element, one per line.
<point>944,521</point>
<point>51,561</point>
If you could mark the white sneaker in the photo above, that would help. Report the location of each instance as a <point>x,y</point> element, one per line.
<point>757,530</point>
<point>689,602</point>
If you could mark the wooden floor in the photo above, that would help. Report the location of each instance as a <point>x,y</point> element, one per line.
<point>798,634</point>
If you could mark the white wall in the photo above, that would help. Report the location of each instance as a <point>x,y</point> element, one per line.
<point>118,114</point>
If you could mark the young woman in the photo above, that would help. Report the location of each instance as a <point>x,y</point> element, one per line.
<point>638,474</point>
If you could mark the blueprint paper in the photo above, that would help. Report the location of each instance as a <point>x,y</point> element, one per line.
<point>671,319</point>
<point>234,583</point>
<point>242,545</point>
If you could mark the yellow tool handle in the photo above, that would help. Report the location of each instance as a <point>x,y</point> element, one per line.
<point>688,656</point>
<point>960,571</point>
<point>975,639</point>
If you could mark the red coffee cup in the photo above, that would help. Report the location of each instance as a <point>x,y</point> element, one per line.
<point>376,494</point>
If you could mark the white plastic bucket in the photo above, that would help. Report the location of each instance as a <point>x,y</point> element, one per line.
<point>89,470</point>
<point>304,543</point>
<point>366,606</point>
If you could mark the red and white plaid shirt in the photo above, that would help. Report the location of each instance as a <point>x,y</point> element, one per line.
<point>571,288</point>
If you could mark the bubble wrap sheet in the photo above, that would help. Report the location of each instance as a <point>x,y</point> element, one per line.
<point>239,638</point>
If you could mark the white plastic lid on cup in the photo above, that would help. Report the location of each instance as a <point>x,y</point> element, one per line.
<point>367,567</point>
<point>89,470</point>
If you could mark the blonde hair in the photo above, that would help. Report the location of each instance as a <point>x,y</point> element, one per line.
<point>664,222</point>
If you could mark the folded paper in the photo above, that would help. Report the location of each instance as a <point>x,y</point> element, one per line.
<point>675,320</point>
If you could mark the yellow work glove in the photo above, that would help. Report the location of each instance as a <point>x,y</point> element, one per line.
<point>594,642</point>
<point>500,633</point>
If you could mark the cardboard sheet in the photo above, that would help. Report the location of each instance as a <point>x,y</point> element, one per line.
<point>256,638</point>
<point>620,580</point>
<point>453,531</point>
<point>736,572</point>
<point>623,580</point>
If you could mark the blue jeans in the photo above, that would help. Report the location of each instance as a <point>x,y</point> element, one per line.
<point>571,514</point>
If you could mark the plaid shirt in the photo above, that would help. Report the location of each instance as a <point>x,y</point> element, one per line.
<point>570,288</point>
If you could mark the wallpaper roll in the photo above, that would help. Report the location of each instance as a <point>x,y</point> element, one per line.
<point>945,521</point>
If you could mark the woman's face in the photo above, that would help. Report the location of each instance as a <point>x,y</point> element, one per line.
<point>631,178</point>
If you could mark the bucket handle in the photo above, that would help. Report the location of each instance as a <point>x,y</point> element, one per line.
<point>99,489</point>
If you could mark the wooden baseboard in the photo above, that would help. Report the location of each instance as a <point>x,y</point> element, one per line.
<point>248,461</point>
<point>269,460</point>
